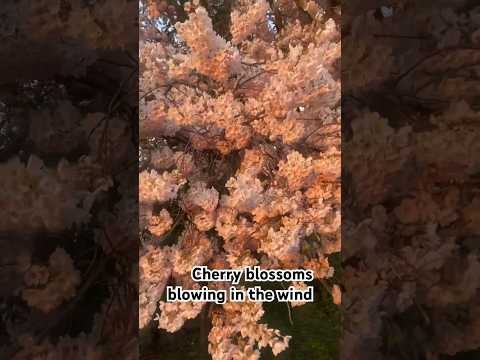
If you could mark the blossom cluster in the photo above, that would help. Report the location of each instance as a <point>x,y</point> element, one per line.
<point>59,226</point>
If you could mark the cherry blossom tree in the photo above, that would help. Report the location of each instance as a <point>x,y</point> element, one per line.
<point>240,155</point>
